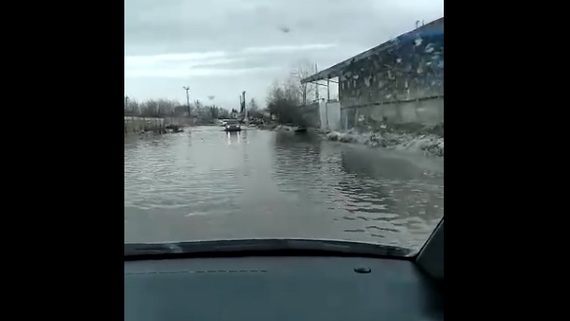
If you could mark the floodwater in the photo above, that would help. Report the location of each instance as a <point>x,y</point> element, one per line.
<point>207,184</point>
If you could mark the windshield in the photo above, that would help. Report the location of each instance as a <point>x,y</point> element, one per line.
<point>341,112</point>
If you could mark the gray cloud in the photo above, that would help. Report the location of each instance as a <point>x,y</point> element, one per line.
<point>159,27</point>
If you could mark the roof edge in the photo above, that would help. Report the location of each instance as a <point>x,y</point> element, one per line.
<point>334,71</point>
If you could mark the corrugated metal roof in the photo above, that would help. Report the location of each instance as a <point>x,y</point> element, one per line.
<point>434,28</point>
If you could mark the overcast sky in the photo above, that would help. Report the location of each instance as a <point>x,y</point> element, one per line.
<point>221,47</point>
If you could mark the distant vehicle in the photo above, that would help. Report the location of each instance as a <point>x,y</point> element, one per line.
<point>232,125</point>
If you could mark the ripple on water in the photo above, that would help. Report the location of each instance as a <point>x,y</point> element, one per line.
<point>204,184</point>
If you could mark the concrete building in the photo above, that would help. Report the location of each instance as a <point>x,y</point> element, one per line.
<point>398,82</point>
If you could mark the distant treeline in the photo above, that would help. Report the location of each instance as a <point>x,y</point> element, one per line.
<point>173,108</point>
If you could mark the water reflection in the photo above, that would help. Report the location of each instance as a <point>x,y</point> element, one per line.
<point>235,137</point>
<point>392,193</point>
<point>208,184</point>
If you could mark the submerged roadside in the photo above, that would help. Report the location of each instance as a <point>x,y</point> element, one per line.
<point>427,140</point>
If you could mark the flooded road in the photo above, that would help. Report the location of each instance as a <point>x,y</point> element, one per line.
<point>208,184</point>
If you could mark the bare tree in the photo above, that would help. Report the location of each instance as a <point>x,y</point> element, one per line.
<point>252,105</point>
<point>166,107</point>
<point>151,108</point>
<point>283,102</point>
<point>132,108</point>
<point>223,113</point>
<point>181,110</point>
<point>301,70</point>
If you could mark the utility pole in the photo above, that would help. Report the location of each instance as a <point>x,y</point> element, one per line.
<point>244,105</point>
<point>126,101</point>
<point>316,84</point>
<point>187,99</point>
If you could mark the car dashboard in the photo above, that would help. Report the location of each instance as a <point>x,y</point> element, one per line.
<point>286,287</point>
<point>279,288</point>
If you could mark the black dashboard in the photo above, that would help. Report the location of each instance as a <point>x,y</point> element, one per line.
<point>280,288</point>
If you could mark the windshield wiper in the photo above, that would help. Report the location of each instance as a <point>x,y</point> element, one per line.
<point>259,247</point>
